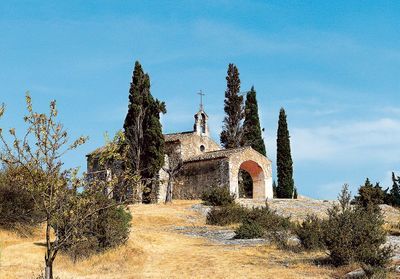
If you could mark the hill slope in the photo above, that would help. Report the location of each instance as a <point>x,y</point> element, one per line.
<point>157,248</point>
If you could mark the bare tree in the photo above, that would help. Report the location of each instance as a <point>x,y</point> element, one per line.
<point>60,194</point>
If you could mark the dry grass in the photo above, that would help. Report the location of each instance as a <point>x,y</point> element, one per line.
<point>156,250</point>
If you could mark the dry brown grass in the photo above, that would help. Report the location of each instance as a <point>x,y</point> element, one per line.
<point>156,250</point>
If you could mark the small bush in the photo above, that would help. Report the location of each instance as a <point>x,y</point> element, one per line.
<point>254,223</point>
<point>310,233</point>
<point>249,230</point>
<point>369,194</point>
<point>107,229</point>
<point>114,226</point>
<point>264,222</point>
<point>226,215</point>
<point>218,196</point>
<point>373,272</point>
<point>17,207</point>
<point>268,218</point>
<point>356,234</point>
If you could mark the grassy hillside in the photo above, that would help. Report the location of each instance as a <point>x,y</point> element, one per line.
<point>158,249</point>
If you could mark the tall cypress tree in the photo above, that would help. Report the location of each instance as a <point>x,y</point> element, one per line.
<point>252,136</point>
<point>395,191</point>
<point>143,131</point>
<point>153,150</point>
<point>252,132</point>
<point>284,161</point>
<point>133,125</point>
<point>232,133</point>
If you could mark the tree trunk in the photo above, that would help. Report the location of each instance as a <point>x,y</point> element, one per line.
<point>49,270</point>
<point>48,257</point>
<point>168,198</point>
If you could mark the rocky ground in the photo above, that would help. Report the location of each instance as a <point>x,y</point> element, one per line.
<point>296,209</point>
<point>220,236</point>
<point>300,208</point>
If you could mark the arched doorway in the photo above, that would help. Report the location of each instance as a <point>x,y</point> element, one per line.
<point>250,170</point>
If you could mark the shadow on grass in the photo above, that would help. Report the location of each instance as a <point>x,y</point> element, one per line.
<point>42,244</point>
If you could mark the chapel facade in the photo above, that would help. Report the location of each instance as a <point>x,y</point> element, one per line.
<point>204,164</point>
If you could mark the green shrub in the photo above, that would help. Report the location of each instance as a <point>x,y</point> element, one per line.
<point>356,234</point>
<point>226,215</point>
<point>17,207</point>
<point>114,226</point>
<point>369,194</point>
<point>264,222</point>
<point>107,229</point>
<point>254,223</point>
<point>249,230</point>
<point>375,272</point>
<point>267,218</point>
<point>310,233</point>
<point>218,196</point>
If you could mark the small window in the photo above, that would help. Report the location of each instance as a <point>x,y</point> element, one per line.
<point>202,148</point>
<point>203,123</point>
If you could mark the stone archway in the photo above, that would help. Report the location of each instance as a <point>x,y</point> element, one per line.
<point>258,177</point>
<point>259,168</point>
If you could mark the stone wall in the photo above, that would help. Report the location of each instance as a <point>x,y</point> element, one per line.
<point>191,146</point>
<point>197,176</point>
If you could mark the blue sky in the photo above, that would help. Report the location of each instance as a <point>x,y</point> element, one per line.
<point>333,65</point>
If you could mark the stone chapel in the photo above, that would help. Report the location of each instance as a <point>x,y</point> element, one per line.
<point>205,164</point>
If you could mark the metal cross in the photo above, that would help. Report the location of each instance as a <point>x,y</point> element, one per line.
<point>201,99</point>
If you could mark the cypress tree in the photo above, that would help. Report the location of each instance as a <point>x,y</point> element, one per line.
<point>153,150</point>
<point>143,131</point>
<point>252,132</point>
<point>232,133</point>
<point>395,191</point>
<point>252,136</point>
<point>133,125</point>
<point>284,161</point>
<point>274,188</point>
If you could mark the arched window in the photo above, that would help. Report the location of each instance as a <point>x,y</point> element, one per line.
<point>203,123</point>
<point>202,148</point>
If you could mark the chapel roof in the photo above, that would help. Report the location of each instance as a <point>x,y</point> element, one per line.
<point>217,154</point>
<point>97,151</point>
<point>167,137</point>
<point>177,136</point>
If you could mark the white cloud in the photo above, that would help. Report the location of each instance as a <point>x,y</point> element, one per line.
<point>348,142</point>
